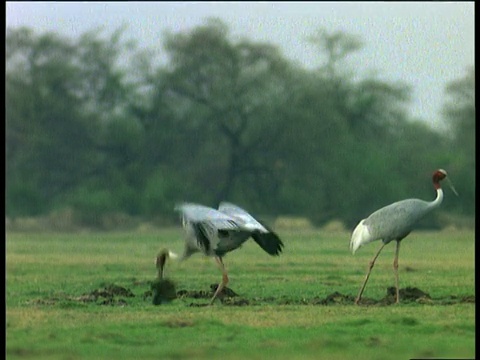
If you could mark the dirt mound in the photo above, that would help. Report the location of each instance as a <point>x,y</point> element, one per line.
<point>452,299</point>
<point>163,291</point>
<point>110,294</point>
<point>337,298</point>
<point>407,295</point>
<point>225,293</point>
<point>110,291</point>
<point>194,294</point>
<point>225,296</point>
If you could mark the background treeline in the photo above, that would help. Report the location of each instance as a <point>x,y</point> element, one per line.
<point>97,125</point>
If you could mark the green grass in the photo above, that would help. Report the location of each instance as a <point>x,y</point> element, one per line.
<point>46,272</point>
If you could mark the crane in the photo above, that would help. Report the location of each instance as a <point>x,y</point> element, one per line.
<point>161,260</point>
<point>395,222</point>
<point>217,232</point>
<point>163,290</point>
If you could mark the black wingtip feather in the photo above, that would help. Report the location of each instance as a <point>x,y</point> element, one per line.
<point>270,242</point>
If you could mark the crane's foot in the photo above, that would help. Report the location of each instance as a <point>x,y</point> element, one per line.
<point>212,301</point>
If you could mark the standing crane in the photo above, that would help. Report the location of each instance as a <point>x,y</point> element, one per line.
<point>395,222</point>
<point>217,232</point>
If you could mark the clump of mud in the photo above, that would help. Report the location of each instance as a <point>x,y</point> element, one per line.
<point>453,299</point>
<point>407,295</point>
<point>202,294</point>
<point>163,291</point>
<point>225,293</point>
<point>110,291</point>
<point>110,294</point>
<point>227,296</point>
<point>194,294</point>
<point>337,298</point>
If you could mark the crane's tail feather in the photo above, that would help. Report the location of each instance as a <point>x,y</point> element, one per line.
<point>360,236</point>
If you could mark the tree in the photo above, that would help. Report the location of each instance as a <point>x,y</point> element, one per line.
<point>61,95</point>
<point>459,114</point>
<point>226,92</point>
<point>47,137</point>
<point>335,47</point>
<point>95,124</point>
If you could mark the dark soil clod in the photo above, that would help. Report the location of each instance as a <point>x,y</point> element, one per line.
<point>202,294</point>
<point>194,294</point>
<point>408,293</point>
<point>163,291</point>
<point>235,301</point>
<point>110,291</point>
<point>337,298</point>
<point>110,294</point>
<point>198,305</point>
<point>226,292</point>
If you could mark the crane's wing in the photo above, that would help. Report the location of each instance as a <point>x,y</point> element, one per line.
<point>391,222</point>
<point>270,242</point>
<point>243,218</point>
<point>261,233</point>
<point>396,221</point>
<point>195,213</point>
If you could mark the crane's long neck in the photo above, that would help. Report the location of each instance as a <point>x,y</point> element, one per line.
<point>161,259</point>
<point>438,200</point>
<point>160,263</point>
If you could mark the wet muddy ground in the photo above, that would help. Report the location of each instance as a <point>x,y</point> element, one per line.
<point>164,292</point>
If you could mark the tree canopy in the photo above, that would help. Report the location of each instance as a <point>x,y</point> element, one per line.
<point>95,124</point>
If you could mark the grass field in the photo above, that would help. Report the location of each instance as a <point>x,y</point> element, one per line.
<point>49,318</point>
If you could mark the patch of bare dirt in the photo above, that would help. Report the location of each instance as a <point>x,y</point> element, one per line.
<point>227,296</point>
<point>110,294</point>
<point>164,292</point>
<point>407,295</point>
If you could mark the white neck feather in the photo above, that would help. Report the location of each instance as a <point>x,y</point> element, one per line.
<point>436,203</point>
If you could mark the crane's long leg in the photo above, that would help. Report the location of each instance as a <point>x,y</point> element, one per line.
<point>370,267</point>
<point>224,278</point>
<point>395,268</point>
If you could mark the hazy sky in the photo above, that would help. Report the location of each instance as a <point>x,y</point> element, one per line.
<point>423,44</point>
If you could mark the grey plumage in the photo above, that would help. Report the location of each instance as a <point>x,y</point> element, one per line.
<point>217,232</point>
<point>394,222</point>
<point>397,220</point>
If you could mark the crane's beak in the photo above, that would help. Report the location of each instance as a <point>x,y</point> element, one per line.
<point>451,186</point>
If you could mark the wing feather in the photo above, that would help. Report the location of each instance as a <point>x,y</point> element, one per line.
<point>243,218</point>
<point>201,235</point>
<point>199,213</point>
